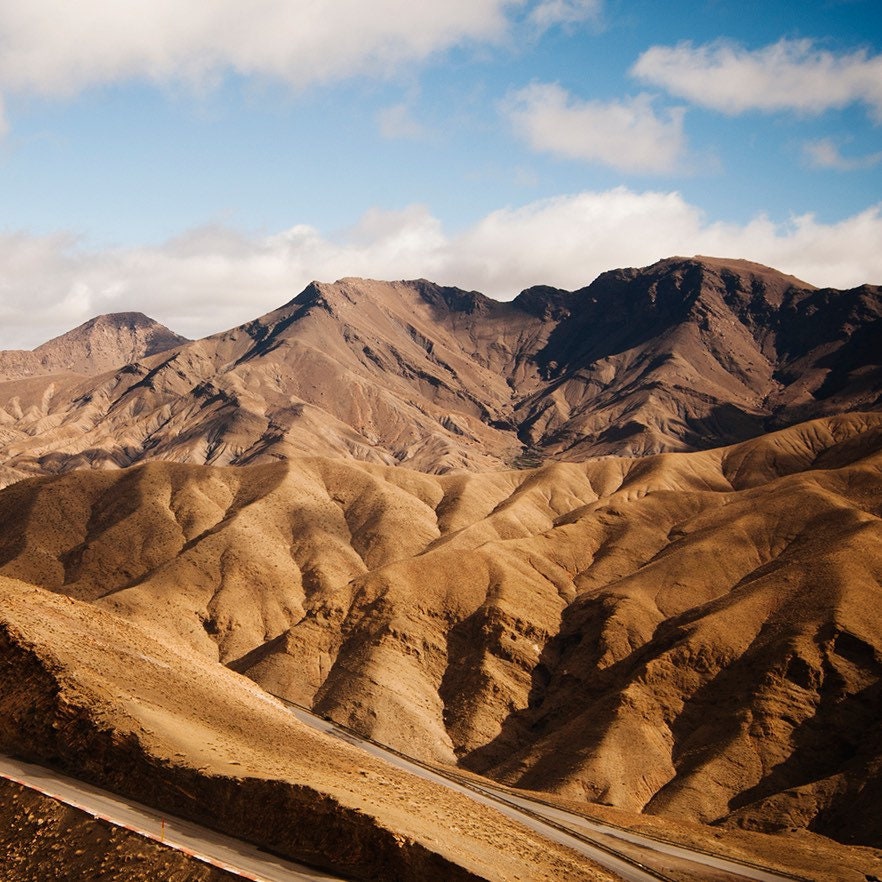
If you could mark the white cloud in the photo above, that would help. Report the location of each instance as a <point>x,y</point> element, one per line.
<point>397,123</point>
<point>627,134</point>
<point>825,154</point>
<point>215,278</point>
<point>791,75</point>
<point>548,13</point>
<point>57,47</point>
<point>569,240</point>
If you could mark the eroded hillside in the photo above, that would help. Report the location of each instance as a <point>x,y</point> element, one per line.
<point>687,354</point>
<point>693,635</point>
<point>107,701</point>
<point>99,345</point>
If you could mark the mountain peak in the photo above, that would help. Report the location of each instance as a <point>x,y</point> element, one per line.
<point>747,267</point>
<point>118,320</point>
<point>356,290</point>
<point>687,353</point>
<point>99,344</point>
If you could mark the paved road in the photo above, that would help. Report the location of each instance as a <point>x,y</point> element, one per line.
<point>561,826</point>
<point>625,868</point>
<point>206,845</point>
<point>731,867</point>
<point>250,862</point>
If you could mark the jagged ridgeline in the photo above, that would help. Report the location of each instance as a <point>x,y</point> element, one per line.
<point>686,354</point>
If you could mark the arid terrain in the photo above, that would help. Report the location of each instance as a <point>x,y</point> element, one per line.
<point>686,354</point>
<point>107,701</point>
<point>41,838</point>
<point>621,546</point>
<point>101,344</point>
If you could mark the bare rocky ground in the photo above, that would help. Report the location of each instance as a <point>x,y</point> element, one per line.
<point>690,353</point>
<point>105,701</point>
<point>100,344</point>
<point>688,639</point>
<point>43,839</point>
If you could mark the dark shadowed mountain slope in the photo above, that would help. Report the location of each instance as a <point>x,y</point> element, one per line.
<point>685,354</point>
<point>691,353</point>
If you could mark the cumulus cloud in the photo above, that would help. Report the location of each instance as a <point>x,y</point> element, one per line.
<point>215,278</point>
<point>628,134</point>
<point>825,154</point>
<point>569,240</point>
<point>793,75</point>
<point>548,13</point>
<point>57,47</point>
<point>204,281</point>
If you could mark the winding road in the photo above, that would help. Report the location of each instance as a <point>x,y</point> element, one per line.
<point>632,857</point>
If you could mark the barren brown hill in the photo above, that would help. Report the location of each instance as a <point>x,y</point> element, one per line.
<point>100,344</point>
<point>689,353</point>
<point>694,353</point>
<point>106,701</point>
<point>688,635</point>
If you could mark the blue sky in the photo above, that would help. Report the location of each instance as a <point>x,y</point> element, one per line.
<point>202,162</point>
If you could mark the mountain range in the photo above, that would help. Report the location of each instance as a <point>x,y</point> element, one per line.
<point>687,354</point>
<point>632,561</point>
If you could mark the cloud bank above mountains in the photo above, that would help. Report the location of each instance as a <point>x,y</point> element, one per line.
<point>490,144</point>
<point>210,279</point>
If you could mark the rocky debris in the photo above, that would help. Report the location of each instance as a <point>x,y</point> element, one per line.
<point>47,840</point>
